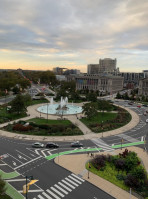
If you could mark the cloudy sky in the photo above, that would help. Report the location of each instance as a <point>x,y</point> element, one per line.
<point>42,34</point>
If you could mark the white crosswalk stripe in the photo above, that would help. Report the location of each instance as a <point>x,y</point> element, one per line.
<point>102,144</point>
<point>55,190</point>
<point>47,196</point>
<point>67,188</point>
<point>128,138</point>
<point>62,188</point>
<point>54,195</point>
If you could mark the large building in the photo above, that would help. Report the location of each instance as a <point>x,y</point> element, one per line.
<point>106,84</point>
<point>132,78</point>
<point>143,87</point>
<point>106,65</point>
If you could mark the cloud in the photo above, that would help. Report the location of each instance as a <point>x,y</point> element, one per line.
<point>72,31</point>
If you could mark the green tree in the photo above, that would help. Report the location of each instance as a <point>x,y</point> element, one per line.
<point>18,105</point>
<point>104,105</point>
<point>2,186</point>
<point>90,110</point>
<point>91,97</point>
<point>27,99</point>
<point>118,96</point>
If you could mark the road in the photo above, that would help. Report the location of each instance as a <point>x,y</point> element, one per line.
<point>55,181</point>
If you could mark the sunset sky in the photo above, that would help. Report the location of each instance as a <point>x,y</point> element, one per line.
<point>42,34</point>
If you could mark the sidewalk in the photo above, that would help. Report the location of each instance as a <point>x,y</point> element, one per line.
<point>88,134</point>
<point>76,164</point>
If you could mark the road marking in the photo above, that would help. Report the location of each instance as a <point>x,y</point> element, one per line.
<point>55,190</point>
<point>52,194</point>
<point>3,164</point>
<point>23,154</point>
<point>64,186</point>
<point>72,182</point>
<point>47,196</point>
<point>39,196</point>
<point>36,151</point>
<point>75,179</point>
<point>33,191</point>
<point>27,162</point>
<point>68,184</point>
<point>15,158</point>
<point>61,189</point>
<point>16,180</point>
<point>78,177</point>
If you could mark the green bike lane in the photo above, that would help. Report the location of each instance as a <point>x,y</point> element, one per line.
<point>12,192</point>
<point>92,149</point>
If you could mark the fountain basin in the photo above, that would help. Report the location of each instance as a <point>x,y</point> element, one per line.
<point>52,109</point>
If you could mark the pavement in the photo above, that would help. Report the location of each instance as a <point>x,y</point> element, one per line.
<point>76,164</point>
<point>88,134</point>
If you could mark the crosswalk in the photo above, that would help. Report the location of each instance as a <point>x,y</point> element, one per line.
<point>102,144</point>
<point>62,188</point>
<point>128,138</point>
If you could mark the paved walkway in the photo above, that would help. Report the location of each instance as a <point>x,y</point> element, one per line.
<point>76,164</point>
<point>88,134</point>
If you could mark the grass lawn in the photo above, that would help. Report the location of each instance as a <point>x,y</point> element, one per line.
<point>33,102</point>
<point>109,174</point>
<point>5,116</point>
<point>45,121</point>
<point>99,118</point>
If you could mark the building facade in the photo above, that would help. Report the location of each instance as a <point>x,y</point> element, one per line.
<point>132,78</point>
<point>106,65</point>
<point>101,83</point>
<point>143,87</point>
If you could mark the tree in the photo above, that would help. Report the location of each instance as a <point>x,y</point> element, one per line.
<point>118,96</point>
<point>90,110</point>
<point>91,97</point>
<point>104,105</point>
<point>2,186</point>
<point>18,105</point>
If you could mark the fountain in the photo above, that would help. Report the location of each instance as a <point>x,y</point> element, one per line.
<point>62,108</point>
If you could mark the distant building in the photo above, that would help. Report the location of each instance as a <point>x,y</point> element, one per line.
<point>145,73</point>
<point>143,87</point>
<point>106,65</point>
<point>58,70</point>
<point>132,78</point>
<point>61,78</point>
<point>105,84</point>
<point>71,72</point>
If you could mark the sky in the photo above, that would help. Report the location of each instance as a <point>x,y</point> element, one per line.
<point>42,34</point>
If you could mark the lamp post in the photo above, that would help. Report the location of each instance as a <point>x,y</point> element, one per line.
<point>31,178</point>
<point>47,112</point>
<point>102,128</point>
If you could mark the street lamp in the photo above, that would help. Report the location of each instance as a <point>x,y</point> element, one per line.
<point>31,178</point>
<point>47,111</point>
<point>102,128</point>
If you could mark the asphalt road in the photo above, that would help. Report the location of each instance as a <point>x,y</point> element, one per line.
<point>55,181</point>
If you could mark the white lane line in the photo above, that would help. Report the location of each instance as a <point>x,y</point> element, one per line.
<point>35,198</point>
<point>68,189</point>
<point>61,189</point>
<point>72,182</point>
<point>52,194</point>
<point>3,164</point>
<point>44,153</point>
<point>33,191</point>
<point>78,177</point>
<point>14,158</point>
<point>49,152</point>
<point>39,196</point>
<point>36,150</point>
<point>55,190</point>
<point>68,184</point>
<point>28,162</point>
<point>16,180</point>
<point>75,179</point>
<point>47,196</point>
<point>23,154</point>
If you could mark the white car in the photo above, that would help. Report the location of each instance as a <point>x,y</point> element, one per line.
<point>37,145</point>
<point>146,120</point>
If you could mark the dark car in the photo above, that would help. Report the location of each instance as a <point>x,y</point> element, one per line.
<point>52,145</point>
<point>144,105</point>
<point>130,103</point>
<point>76,144</point>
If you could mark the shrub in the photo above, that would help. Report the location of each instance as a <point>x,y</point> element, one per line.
<point>120,164</point>
<point>99,161</point>
<point>131,181</point>
<point>20,127</point>
<point>120,177</point>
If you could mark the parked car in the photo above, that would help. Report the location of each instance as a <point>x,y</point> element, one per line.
<point>139,106</point>
<point>52,145</point>
<point>130,103</point>
<point>145,105</point>
<point>37,145</point>
<point>146,120</point>
<point>76,144</point>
